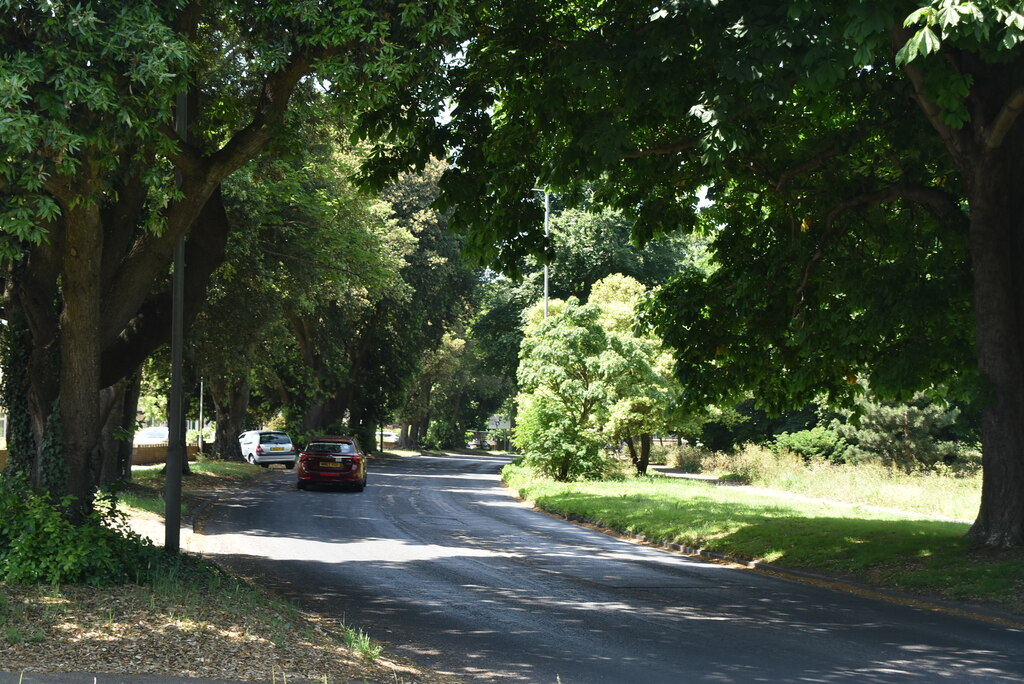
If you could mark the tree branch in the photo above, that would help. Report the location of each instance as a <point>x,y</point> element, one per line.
<point>150,327</point>
<point>808,165</point>
<point>1004,122</point>
<point>669,148</point>
<point>899,38</point>
<point>935,199</point>
<point>277,90</point>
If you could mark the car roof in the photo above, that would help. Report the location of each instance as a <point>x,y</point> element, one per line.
<point>332,438</point>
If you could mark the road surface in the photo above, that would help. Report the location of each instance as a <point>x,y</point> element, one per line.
<point>443,564</point>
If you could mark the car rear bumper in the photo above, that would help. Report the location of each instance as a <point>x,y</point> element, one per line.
<point>279,457</point>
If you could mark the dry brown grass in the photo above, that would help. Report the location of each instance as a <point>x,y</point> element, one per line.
<point>133,630</point>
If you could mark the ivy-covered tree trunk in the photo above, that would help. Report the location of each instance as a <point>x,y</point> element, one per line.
<point>31,376</point>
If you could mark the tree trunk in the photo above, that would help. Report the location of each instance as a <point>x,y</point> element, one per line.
<point>230,402</point>
<point>118,405</point>
<point>129,416</point>
<point>645,454</point>
<point>404,442</point>
<point>997,253</point>
<point>989,151</point>
<point>80,353</point>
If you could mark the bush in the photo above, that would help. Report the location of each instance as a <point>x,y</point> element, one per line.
<point>685,457</point>
<point>818,443</point>
<point>38,545</point>
<point>906,436</point>
<point>750,464</point>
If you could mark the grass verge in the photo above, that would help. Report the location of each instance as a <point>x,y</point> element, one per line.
<point>886,549</point>
<point>145,491</point>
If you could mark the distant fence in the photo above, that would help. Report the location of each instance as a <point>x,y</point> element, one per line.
<point>141,455</point>
<point>157,453</point>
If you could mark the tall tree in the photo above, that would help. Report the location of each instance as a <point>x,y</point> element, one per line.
<point>88,203</point>
<point>639,370</point>
<point>863,157</point>
<point>309,254</point>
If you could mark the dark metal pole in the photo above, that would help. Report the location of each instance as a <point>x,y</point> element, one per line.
<point>176,433</point>
<point>547,222</point>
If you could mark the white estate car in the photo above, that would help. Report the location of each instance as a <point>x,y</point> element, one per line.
<point>263,447</point>
<point>155,434</point>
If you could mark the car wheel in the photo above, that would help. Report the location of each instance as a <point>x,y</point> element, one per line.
<point>289,466</point>
<point>300,485</point>
<point>360,487</point>
<point>250,458</point>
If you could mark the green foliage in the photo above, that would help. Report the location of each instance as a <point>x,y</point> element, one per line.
<point>834,213</point>
<point>587,378</point>
<point>588,246</point>
<point>39,545</point>
<point>565,384</point>
<point>444,434</point>
<point>746,423</point>
<point>554,441</point>
<point>907,436</point>
<point>685,457</point>
<point>78,84</point>
<point>89,159</point>
<point>819,443</point>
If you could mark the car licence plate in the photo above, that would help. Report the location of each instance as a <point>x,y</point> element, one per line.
<point>331,464</point>
<point>277,448</point>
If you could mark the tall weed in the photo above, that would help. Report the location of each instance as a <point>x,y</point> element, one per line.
<point>938,492</point>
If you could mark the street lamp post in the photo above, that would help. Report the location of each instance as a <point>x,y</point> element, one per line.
<point>176,434</point>
<point>547,224</point>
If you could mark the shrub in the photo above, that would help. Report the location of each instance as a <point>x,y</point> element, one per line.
<point>818,443</point>
<point>685,457</point>
<point>905,436</point>
<point>750,464</point>
<point>39,545</point>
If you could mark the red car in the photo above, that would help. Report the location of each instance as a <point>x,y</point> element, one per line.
<point>332,460</point>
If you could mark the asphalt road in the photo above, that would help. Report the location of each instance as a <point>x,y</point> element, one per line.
<point>438,560</point>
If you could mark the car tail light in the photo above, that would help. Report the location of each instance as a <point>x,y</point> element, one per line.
<point>259,448</point>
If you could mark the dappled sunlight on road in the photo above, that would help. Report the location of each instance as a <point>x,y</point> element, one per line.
<point>443,563</point>
<point>390,551</point>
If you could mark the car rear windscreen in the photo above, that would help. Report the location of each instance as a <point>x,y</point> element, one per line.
<point>331,448</point>
<point>274,438</point>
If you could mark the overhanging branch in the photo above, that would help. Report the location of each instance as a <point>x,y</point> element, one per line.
<point>931,110</point>
<point>938,201</point>
<point>1004,122</point>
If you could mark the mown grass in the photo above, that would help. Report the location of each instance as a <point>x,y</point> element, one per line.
<point>886,548</point>
<point>145,491</point>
